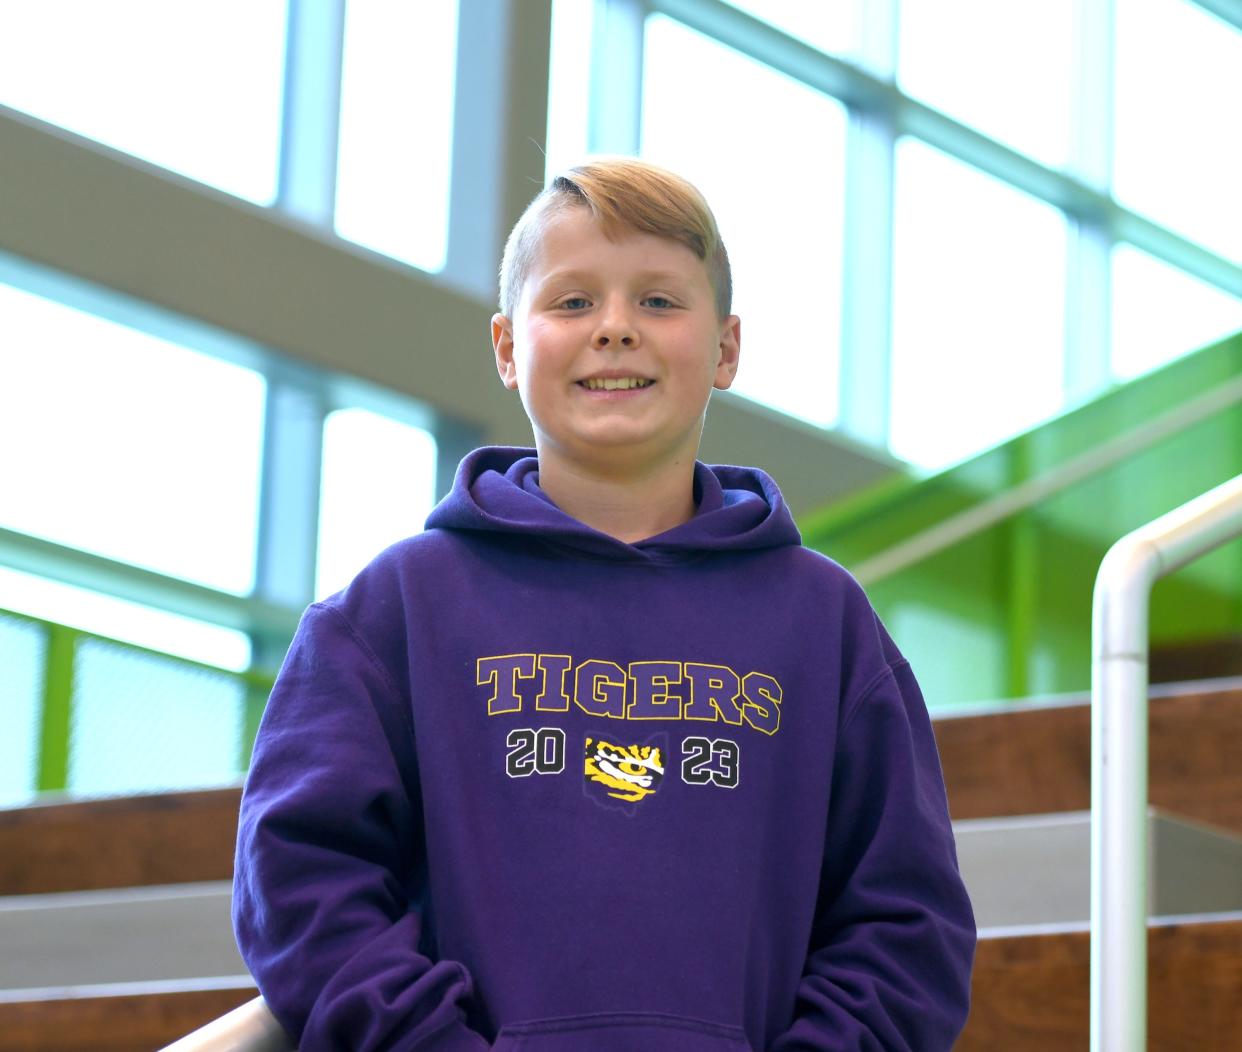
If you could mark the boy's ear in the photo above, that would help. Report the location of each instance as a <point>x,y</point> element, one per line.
<point>502,344</point>
<point>730,350</point>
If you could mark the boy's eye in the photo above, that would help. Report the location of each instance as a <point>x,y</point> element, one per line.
<point>575,303</point>
<point>659,302</point>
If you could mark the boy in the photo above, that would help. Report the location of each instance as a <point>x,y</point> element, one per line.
<point>604,759</point>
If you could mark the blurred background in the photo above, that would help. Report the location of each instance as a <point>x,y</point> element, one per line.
<point>247,260</point>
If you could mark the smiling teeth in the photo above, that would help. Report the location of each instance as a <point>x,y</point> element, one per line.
<point>615,385</point>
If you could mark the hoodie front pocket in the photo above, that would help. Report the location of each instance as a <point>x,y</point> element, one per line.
<point>621,1032</point>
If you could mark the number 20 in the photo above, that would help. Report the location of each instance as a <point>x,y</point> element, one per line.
<point>533,751</point>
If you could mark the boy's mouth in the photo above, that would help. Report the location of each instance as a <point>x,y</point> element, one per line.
<point>625,383</point>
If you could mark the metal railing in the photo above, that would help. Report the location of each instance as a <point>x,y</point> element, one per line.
<point>1119,712</point>
<point>249,1028</point>
<point>62,688</point>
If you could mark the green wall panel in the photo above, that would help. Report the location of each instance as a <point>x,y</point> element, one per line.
<point>1006,613</point>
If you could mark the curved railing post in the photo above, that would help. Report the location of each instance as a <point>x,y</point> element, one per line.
<point>1119,796</point>
<point>1119,753</point>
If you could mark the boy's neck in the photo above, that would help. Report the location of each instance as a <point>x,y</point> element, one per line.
<point>625,506</point>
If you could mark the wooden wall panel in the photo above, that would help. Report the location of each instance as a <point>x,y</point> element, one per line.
<point>1033,992</point>
<point>130,1023</point>
<point>1037,760</point>
<point>165,838</point>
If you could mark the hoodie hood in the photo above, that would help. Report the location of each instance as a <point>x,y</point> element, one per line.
<point>497,490</point>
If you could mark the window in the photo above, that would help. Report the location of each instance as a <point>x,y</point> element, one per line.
<point>1004,70</point>
<point>722,120</point>
<point>978,309</point>
<point>194,87</point>
<point>378,487</point>
<point>1161,313</point>
<point>396,133</point>
<point>1178,148</point>
<point>126,445</point>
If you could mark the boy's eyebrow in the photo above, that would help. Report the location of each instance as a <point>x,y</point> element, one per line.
<point>643,276</point>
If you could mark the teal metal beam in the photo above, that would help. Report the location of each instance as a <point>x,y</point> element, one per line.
<point>314,46</point>
<point>1229,11</point>
<point>865,367</point>
<point>35,555</point>
<point>286,540</point>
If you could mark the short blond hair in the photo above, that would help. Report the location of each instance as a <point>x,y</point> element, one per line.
<point>625,195</point>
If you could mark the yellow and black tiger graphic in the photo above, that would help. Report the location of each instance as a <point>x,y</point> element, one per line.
<point>631,772</point>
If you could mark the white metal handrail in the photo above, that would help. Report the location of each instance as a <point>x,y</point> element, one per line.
<point>249,1028</point>
<point>1119,713</point>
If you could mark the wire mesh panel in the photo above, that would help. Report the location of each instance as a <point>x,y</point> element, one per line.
<point>144,722</point>
<point>23,649</point>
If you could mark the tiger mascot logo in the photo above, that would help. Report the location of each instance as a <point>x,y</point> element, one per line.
<point>630,773</point>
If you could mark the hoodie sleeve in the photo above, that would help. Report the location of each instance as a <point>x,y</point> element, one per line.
<point>893,939</point>
<point>330,862</point>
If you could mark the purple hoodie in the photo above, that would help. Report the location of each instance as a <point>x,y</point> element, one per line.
<point>525,786</point>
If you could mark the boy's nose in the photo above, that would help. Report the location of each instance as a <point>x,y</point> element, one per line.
<point>606,339</point>
<point>615,330</point>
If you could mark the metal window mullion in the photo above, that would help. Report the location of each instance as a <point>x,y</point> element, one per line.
<point>1087,350</point>
<point>865,403</point>
<point>865,368</point>
<point>785,53</point>
<point>500,103</point>
<point>1176,250</point>
<point>1086,364</point>
<point>879,36</point>
<point>1091,148</point>
<point>288,526</point>
<point>997,160</point>
<point>310,123</point>
<point>475,184</point>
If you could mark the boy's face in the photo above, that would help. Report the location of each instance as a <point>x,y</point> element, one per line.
<point>593,310</point>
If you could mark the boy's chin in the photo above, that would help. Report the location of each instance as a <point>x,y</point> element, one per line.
<point>617,454</point>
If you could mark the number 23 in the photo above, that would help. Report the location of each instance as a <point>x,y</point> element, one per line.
<point>697,755</point>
